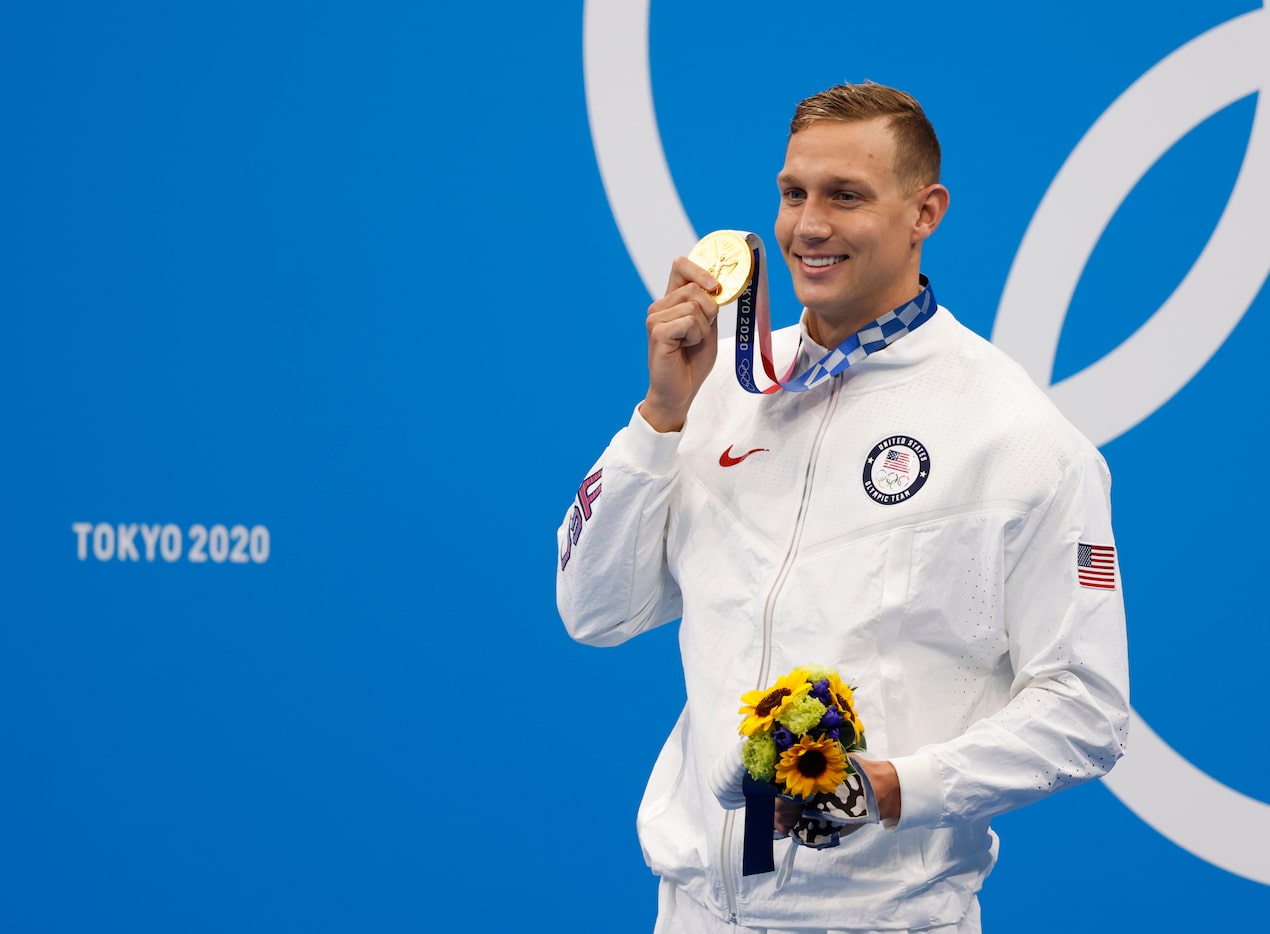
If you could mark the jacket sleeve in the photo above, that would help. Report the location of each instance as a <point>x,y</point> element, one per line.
<point>612,579</point>
<point>1067,718</point>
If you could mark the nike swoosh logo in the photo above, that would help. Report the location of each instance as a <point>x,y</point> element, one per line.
<point>727,460</point>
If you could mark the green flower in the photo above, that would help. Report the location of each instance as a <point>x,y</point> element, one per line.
<point>801,715</point>
<point>817,672</point>
<point>759,757</point>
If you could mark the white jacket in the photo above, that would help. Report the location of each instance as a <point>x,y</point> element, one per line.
<point>989,666</point>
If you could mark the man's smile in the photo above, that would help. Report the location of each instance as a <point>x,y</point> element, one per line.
<point>820,260</point>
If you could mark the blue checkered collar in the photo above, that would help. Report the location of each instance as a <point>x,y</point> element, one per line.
<point>874,336</point>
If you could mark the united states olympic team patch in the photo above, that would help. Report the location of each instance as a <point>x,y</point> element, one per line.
<point>896,469</point>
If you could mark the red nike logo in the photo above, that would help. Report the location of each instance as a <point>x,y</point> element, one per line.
<point>727,460</point>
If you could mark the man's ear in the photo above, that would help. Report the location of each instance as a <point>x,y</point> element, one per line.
<point>931,207</point>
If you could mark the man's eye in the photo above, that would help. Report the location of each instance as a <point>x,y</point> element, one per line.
<point>845,196</point>
<point>794,194</point>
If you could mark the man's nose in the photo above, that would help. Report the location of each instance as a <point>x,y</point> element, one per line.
<point>813,220</point>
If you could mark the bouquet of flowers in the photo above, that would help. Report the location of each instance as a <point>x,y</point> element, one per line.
<point>799,734</point>
<point>800,731</point>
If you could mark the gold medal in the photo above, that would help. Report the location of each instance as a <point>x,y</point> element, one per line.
<point>726,255</point>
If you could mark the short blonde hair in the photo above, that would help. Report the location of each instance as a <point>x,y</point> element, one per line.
<point>917,154</point>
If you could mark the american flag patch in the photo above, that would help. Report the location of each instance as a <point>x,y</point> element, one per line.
<point>1096,566</point>
<point>897,460</point>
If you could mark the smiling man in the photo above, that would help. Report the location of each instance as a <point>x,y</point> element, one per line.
<point>851,225</point>
<point>920,520</point>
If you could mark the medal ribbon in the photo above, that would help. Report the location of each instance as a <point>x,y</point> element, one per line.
<point>754,324</point>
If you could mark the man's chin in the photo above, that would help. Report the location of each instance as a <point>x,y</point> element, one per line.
<point>830,308</point>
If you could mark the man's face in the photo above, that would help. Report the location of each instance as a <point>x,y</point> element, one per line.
<point>848,231</point>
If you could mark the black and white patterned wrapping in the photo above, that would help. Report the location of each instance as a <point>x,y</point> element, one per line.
<point>852,803</point>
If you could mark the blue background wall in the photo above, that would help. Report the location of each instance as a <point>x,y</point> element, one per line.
<point>347,275</point>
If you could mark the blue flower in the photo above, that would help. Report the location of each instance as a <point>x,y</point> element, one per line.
<point>783,737</point>
<point>831,720</point>
<point>820,691</point>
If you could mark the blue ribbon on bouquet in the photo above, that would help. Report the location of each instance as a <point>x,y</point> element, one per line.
<point>760,819</point>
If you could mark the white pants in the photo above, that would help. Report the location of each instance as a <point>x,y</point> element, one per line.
<point>679,914</point>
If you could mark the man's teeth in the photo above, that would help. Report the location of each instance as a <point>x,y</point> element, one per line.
<point>822,260</point>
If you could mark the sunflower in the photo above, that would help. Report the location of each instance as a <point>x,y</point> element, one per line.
<point>844,697</point>
<point>763,706</point>
<point>811,766</point>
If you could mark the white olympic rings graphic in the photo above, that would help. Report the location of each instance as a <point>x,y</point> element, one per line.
<point>1106,399</point>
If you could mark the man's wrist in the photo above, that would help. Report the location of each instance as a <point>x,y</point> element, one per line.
<point>661,419</point>
<point>886,787</point>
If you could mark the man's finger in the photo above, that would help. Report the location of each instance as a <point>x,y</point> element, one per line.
<point>690,292</point>
<point>684,330</point>
<point>684,271</point>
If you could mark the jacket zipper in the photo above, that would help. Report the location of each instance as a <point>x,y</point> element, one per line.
<point>769,608</point>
